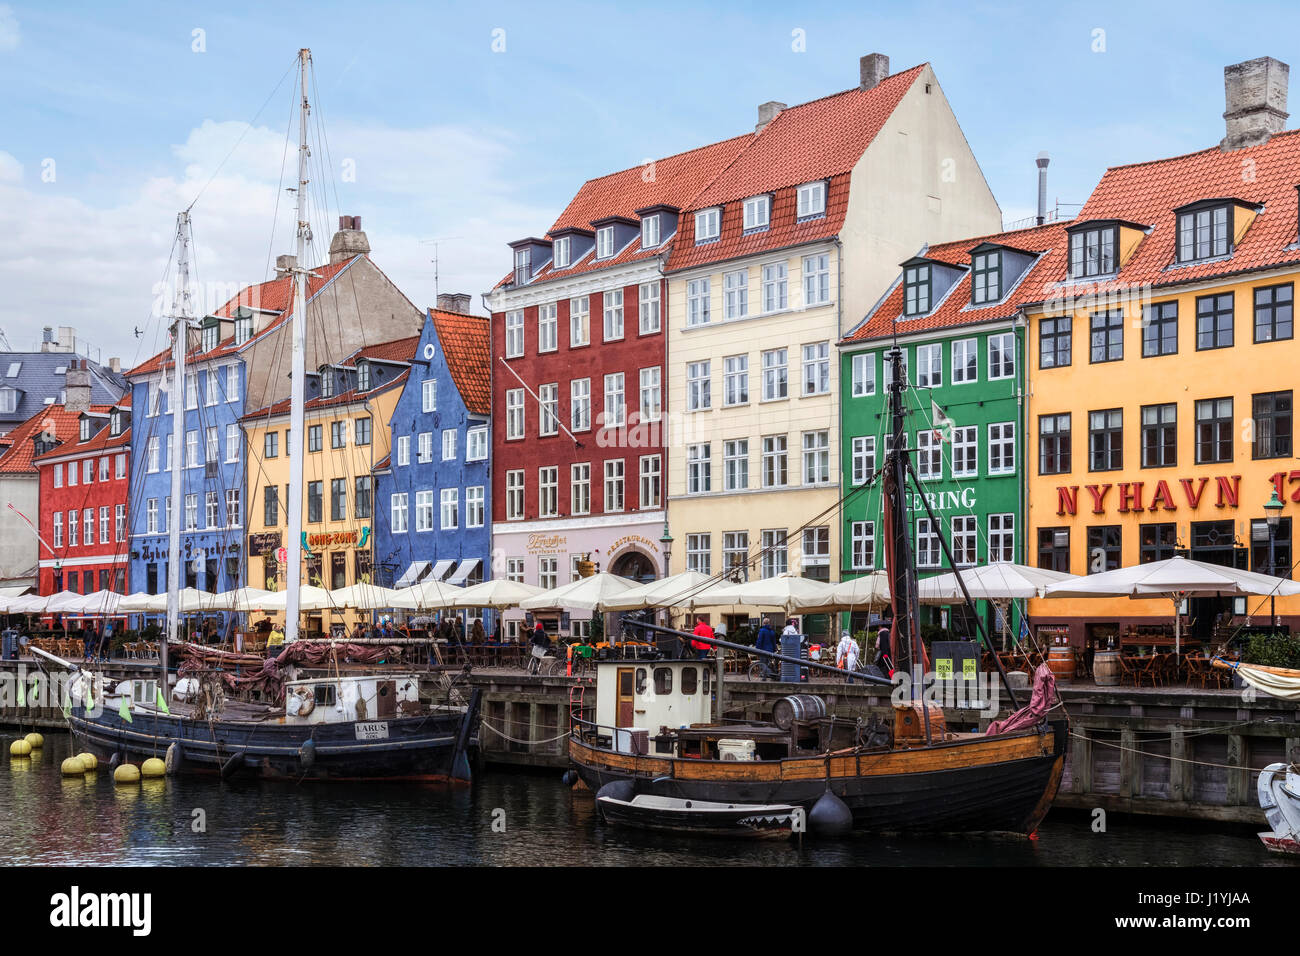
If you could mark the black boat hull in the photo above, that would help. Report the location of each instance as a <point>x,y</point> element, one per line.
<point>747,823</point>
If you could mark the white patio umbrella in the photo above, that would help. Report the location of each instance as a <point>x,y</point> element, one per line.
<point>791,593</point>
<point>244,600</point>
<point>584,594</point>
<point>677,590</point>
<point>869,590</point>
<point>101,603</point>
<point>194,601</point>
<point>991,582</point>
<point>65,602</point>
<point>1175,579</point>
<point>426,595</point>
<point>28,604</point>
<point>10,594</point>
<point>497,593</point>
<point>142,603</point>
<point>310,598</point>
<point>365,597</point>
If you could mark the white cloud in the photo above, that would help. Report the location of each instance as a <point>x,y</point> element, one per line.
<point>11,171</point>
<point>9,35</point>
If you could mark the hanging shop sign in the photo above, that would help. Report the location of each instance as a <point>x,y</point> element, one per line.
<point>263,542</point>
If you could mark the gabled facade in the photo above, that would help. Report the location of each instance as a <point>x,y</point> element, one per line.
<point>433,520</point>
<point>30,382</point>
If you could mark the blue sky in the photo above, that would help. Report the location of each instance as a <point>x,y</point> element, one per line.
<point>453,141</point>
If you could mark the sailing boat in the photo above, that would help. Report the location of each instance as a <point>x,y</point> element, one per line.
<point>322,723</point>
<point>652,733</point>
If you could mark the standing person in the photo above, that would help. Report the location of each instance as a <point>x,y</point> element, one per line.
<point>702,629</point>
<point>846,654</point>
<point>766,641</point>
<point>476,635</point>
<point>884,647</point>
<point>88,638</point>
<point>541,640</point>
<point>105,639</point>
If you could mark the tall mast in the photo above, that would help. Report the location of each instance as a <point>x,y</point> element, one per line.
<point>903,580</point>
<point>181,316</point>
<point>298,368</point>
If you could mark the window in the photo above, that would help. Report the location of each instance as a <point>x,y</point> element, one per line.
<point>474,506</point>
<point>579,321</point>
<point>315,504</point>
<point>88,526</point>
<point>699,469</point>
<point>1156,542</point>
<point>862,545</point>
<point>561,251</point>
<point>579,408</point>
<point>817,368</point>
<point>816,280</point>
<point>547,328</point>
<point>929,455</point>
<point>191,512</point>
<point>233,441</point>
<point>270,446</point>
<point>811,200</point>
<point>929,366</point>
<point>774,461</point>
<point>863,458</point>
<point>698,386</point>
<point>650,231</point>
<point>774,560</point>
<point>1259,549</point>
<point>580,488</point>
<point>167,517</point>
<point>927,544</point>
<point>757,212</point>
<point>243,330</point>
<point>1272,414</point>
<point>1107,336</point>
<point>151,461</point>
<point>735,554</point>
<point>1106,440</point>
<point>1054,444</point>
<point>424,510</point>
<point>150,521</point>
<point>154,400</point>
<point>1203,234</point>
<point>613,306</point>
<point>651,469</point>
<point>548,572</point>
<point>965,451</point>
<point>548,414</point>
<point>1213,430</point>
<point>986,277</point>
<point>104,533</point>
<point>816,457</point>
<point>615,406</point>
<point>1273,313</point>
<point>58,469</point>
<point>774,287</point>
<point>1092,252</point>
<point>361,431</point>
<point>698,300</point>
<point>523,266</point>
<point>650,394</point>
<point>1054,342</point>
<point>1002,448</point>
<point>736,380</point>
<point>548,492</point>
<point>191,390</point>
<point>698,553</point>
<point>514,334</point>
<point>326,383</point>
<point>404,449</point>
<point>476,443</point>
<point>735,294</point>
<point>1159,436</point>
<point>515,570</point>
<point>363,376</point>
<point>313,437</point>
<point>815,557</point>
<point>1002,537</point>
<point>735,464</point>
<point>398,513</point>
<point>515,495</point>
<point>449,509</point>
<point>192,448</point>
<point>916,290</point>
<point>604,242</point>
<point>1159,329</point>
<point>73,517</point>
<point>1214,322</point>
<point>212,387</point>
<point>963,540</point>
<point>707,222</point>
<point>424,448</point>
<point>1103,548</point>
<point>212,446</point>
<point>1002,356</point>
<point>514,413</point>
<point>84,427</point>
<point>614,485</point>
<point>88,470</point>
<point>271,506</point>
<point>338,499</point>
<point>965,361</point>
<point>363,496</point>
<point>863,374</point>
<point>649,299</point>
<point>774,375</point>
<point>234,513</point>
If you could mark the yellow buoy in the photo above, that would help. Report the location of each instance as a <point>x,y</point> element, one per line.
<point>36,740</point>
<point>126,773</point>
<point>20,748</point>
<point>153,767</point>
<point>73,767</point>
<point>89,759</point>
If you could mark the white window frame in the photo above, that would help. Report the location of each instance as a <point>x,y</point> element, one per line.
<point>698,302</point>
<point>772,383</point>
<point>580,488</point>
<point>579,321</point>
<point>398,517</point>
<point>476,443</point>
<point>614,491</point>
<point>604,242</point>
<point>403,450</point>
<point>475,506</point>
<point>965,540</point>
<point>580,405</point>
<point>816,279</point>
<point>515,418</point>
<point>424,448</point>
<point>735,380</point>
<point>963,350</point>
<point>1006,439</point>
<point>965,451</point>
<point>561,252</point>
<point>548,409</point>
<point>816,362</point>
<point>651,394</point>
<point>776,279</point>
<point>699,469</point>
<point>757,213</point>
<point>424,510</point>
<point>863,458</point>
<point>862,545</point>
<point>1006,343</point>
<point>699,551</point>
<point>651,319</point>
<point>449,509</point>
<point>515,333</point>
<point>708,223</point>
<point>816,447</point>
<point>699,386</point>
<point>612,307</point>
<point>614,411</point>
<point>1002,537</point>
<point>449,444</point>
<point>650,231</point>
<point>929,365</point>
<point>811,200</point>
<point>548,491</point>
<point>863,365</point>
<point>928,552</point>
<point>735,464</point>
<point>429,396</point>
<point>650,475</point>
<point>548,334</point>
<point>515,491</point>
<point>735,294</point>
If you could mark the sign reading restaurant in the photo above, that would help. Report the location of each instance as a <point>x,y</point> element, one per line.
<point>1133,496</point>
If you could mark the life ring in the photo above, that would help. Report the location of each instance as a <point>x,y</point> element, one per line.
<point>308,703</point>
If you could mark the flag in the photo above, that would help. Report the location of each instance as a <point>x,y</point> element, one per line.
<point>67,705</point>
<point>124,711</point>
<point>943,425</point>
<point>22,692</point>
<point>162,703</point>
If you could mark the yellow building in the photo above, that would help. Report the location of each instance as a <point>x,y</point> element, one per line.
<point>783,252</point>
<point>346,417</point>
<point>1160,377</point>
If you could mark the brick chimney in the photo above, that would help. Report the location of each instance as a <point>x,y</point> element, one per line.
<point>349,241</point>
<point>76,385</point>
<point>872,68</point>
<point>766,113</point>
<point>454,302</point>
<point>284,265</point>
<point>1255,95</point>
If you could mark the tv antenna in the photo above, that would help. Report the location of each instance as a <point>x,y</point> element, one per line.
<point>434,242</point>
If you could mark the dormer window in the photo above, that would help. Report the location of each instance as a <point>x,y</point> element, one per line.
<point>363,376</point>
<point>758,213</point>
<point>604,242</point>
<point>211,333</point>
<point>986,277</point>
<point>8,400</point>
<point>326,383</point>
<point>85,429</point>
<point>115,422</point>
<point>1092,251</point>
<point>1204,232</point>
<point>650,231</point>
<point>707,224</point>
<point>523,266</point>
<point>563,253</point>
<point>243,329</point>
<point>916,289</point>
<point>812,200</point>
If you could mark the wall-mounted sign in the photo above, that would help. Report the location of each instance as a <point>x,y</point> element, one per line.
<point>1224,491</point>
<point>328,539</point>
<point>263,543</point>
<point>546,543</point>
<point>942,500</point>
<point>634,539</point>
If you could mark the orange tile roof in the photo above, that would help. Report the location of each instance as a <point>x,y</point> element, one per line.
<point>282,407</point>
<point>398,350</point>
<point>467,345</point>
<point>57,419</point>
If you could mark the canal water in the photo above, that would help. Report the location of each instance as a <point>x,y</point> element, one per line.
<point>506,819</point>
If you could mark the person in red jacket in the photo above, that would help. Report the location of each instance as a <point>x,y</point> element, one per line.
<point>702,629</point>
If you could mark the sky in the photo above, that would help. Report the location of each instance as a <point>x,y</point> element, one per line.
<point>452,129</point>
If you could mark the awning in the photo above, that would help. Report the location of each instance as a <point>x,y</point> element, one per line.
<point>413,573</point>
<point>463,571</point>
<point>441,568</point>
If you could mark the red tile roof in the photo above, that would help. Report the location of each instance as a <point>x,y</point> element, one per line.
<point>100,441</point>
<point>56,418</point>
<point>955,309</point>
<point>466,343</point>
<point>343,398</point>
<point>398,350</point>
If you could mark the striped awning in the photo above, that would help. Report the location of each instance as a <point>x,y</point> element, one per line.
<point>463,571</point>
<point>413,573</point>
<point>441,568</point>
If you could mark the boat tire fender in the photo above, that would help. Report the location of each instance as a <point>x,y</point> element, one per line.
<point>830,816</point>
<point>173,759</point>
<point>233,763</point>
<point>307,754</point>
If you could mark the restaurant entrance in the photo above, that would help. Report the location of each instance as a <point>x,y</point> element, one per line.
<point>1213,542</point>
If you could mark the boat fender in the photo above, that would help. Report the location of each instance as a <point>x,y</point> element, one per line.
<point>235,761</point>
<point>623,790</point>
<point>568,778</point>
<point>114,760</point>
<point>173,758</point>
<point>307,754</point>
<point>830,816</point>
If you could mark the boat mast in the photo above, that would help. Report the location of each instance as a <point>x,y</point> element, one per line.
<point>298,369</point>
<point>907,655</point>
<point>180,344</point>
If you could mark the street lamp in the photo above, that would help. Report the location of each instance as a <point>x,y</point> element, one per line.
<point>667,542</point>
<point>1272,515</point>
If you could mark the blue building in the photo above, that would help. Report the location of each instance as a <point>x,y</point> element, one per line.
<point>433,519</point>
<point>210,452</point>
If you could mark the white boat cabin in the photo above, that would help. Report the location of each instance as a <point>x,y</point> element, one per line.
<point>650,694</point>
<point>332,700</point>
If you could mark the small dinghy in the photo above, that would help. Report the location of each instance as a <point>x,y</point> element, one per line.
<point>694,817</point>
<point>1279,797</point>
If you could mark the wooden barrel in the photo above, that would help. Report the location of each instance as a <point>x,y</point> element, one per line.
<point>1105,668</point>
<point>1061,661</point>
<point>797,707</point>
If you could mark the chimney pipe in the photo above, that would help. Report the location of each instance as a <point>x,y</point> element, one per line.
<point>458,302</point>
<point>872,68</point>
<point>1255,95</point>
<point>284,265</point>
<point>1042,161</point>
<point>349,241</point>
<point>76,385</point>
<point>766,113</point>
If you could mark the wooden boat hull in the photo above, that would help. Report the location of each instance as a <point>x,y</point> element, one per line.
<point>1003,783</point>
<point>713,820</point>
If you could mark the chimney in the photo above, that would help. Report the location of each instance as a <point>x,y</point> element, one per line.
<point>67,339</point>
<point>47,338</point>
<point>454,302</point>
<point>115,364</point>
<point>1255,95</point>
<point>349,241</point>
<point>766,113</point>
<point>76,385</point>
<point>284,265</point>
<point>872,68</point>
<point>1042,161</point>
